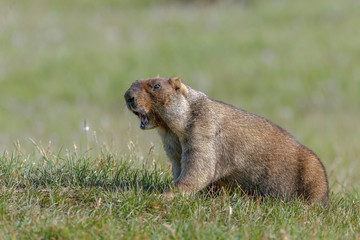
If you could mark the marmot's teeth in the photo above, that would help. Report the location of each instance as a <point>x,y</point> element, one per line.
<point>144,119</point>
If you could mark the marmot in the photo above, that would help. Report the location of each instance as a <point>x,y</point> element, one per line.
<point>213,143</point>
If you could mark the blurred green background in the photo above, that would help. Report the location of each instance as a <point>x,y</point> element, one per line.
<point>297,63</point>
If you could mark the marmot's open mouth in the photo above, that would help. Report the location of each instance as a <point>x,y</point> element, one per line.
<point>144,120</point>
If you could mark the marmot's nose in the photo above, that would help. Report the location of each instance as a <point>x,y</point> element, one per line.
<point>130,99</point>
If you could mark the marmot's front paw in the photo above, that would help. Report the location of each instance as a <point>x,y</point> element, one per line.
<point>168,195</point>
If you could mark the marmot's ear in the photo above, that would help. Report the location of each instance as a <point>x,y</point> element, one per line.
<point>175,82</point>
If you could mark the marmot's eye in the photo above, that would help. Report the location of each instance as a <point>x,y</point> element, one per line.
<point>156,87</point>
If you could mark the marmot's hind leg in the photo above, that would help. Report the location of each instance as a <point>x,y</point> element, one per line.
<point>314,179</point>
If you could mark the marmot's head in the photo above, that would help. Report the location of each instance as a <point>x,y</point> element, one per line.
<point>146,98</point>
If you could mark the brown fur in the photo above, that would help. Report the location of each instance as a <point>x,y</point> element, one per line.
<point>212,143</point>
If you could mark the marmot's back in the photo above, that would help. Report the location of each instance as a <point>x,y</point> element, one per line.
<point>265,158</point>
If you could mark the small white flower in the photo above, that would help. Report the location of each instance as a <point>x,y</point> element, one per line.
<point>86,127</point>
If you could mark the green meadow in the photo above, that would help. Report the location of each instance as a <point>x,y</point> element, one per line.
<point>74,163</point>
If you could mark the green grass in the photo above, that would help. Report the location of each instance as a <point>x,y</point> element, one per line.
<point>67,196</point>
<point>64,62</point>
